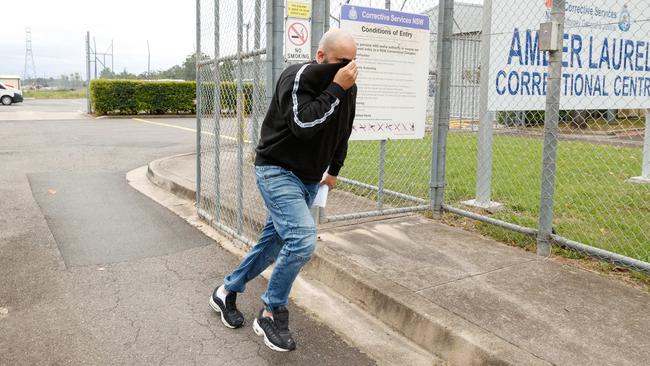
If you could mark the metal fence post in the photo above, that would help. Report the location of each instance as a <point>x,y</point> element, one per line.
<point>318,20</point>
<point>274,44</point>
<point>382,171</point>
<point>382,159</point>
<point>486,119</point>
<point>319,25</point>
<point>551,130</point>
<point>646,147</point>
<point>327,15</point>
<point>217,115</point>
<point>645,167</point>
<point>257,98</point>
<point>241,120</point>
<point>268,62</point>
<point>198,104</point>
<point>88,105</point>
<point>258,104</point>
<point>441,108</point>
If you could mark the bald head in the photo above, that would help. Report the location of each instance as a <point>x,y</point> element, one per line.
<point>336,45</point>
<point>335,38</point>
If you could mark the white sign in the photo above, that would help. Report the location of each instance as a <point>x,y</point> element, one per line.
<point>606,55</point>
<point>393,60</point>
<point>297,44</point>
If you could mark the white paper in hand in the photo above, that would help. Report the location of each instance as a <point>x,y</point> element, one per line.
<point>321,196</point>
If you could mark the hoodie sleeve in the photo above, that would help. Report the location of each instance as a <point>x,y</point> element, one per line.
<point>306,110</point>
<point>342,149</point>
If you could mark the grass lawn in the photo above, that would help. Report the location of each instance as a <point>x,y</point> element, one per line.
<point>594,204</point>
<point>55,94</point>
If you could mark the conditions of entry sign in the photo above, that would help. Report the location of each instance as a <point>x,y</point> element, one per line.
<point>393,61</point>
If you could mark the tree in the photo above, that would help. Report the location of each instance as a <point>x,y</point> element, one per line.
<point>189,66</point>
<point>185,71</point>
<point>225,70</point>
<point>174,72</point>
<point>125,75</point>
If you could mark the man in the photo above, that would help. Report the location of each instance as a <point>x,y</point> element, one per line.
<point>304,140</point>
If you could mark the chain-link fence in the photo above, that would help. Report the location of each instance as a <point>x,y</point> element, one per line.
<point>231,98</point>
<point>539,146</point>
<point>563,173</point>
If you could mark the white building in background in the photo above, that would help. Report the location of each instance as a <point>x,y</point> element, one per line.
<point>466,57</point>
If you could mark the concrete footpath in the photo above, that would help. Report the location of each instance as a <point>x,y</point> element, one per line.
<point>466,299</point>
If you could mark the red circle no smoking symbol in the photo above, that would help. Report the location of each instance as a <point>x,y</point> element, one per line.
<point>298,34</point>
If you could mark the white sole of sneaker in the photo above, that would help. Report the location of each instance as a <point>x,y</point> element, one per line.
<point>216,308</point>
<point>258,330</point>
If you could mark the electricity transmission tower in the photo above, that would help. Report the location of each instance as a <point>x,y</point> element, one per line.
<point>30,66</point>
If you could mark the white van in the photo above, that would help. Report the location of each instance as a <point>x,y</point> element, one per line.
<point>9,95</point>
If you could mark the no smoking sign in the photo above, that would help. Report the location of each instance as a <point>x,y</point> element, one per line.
<point>298,33</point>
<point>297,45</point>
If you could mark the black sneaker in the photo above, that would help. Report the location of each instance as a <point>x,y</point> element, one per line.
<point>275,331</point>
<point>230,316</point>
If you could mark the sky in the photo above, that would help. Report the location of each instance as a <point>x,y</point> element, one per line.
<point>59,30</point>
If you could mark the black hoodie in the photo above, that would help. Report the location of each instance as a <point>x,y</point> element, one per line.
<point>309,121</point>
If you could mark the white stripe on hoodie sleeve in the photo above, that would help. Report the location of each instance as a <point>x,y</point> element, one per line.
<point>294,95</point>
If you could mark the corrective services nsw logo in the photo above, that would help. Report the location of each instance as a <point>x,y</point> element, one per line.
<point>352,13</point>
<point>549,4</point>
<point>624,19</point>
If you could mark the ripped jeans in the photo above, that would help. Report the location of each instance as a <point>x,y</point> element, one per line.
<point>288,237</point>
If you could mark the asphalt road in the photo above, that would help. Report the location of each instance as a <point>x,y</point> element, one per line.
<point>91,272</point>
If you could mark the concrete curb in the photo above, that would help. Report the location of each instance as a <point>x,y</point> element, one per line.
<point>165,179</point>
<point>437,330</point>
<point>148,116</point>
<point>428,325</point>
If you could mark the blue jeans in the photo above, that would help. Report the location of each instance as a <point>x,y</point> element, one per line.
<point>288,237</point>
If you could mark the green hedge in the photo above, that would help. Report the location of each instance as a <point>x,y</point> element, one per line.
<point>525,118</point>
<point>228,100</point>
<point>161,97</point>
<point>165,97</point>
<point>113,96</point>
<point>134,96</point>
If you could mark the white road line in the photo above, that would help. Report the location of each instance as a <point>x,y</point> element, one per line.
<point>187,129</point>
<point>165,125</point>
